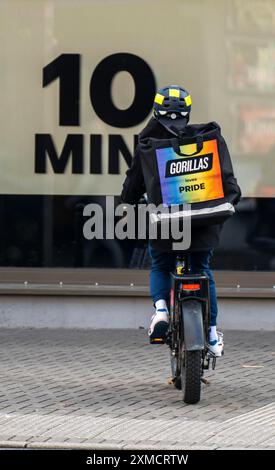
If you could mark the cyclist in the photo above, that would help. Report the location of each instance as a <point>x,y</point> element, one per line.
<point>170,117</point>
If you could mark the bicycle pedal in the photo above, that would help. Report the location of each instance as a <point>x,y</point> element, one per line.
<point>214,360</point>
<point>211,357</point>
<point>157,340</point>
<point>205,365</point>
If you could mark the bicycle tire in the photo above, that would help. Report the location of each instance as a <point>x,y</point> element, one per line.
<point>191,366</point>
<point>191,376</point>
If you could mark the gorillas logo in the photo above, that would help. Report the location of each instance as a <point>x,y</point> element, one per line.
<point>187,166</point>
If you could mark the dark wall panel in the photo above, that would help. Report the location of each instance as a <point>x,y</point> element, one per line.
<point>47,231</point>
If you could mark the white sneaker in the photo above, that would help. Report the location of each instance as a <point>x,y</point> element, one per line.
<point>159,324</point>
<point>216,346</point>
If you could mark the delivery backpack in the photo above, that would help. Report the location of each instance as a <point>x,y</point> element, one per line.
<point>193,168</point>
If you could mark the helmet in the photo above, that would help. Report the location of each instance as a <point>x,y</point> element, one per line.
<point>172,106</point>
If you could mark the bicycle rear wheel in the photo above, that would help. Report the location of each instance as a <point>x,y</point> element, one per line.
<point>191,376</point>
<point>191,360</point>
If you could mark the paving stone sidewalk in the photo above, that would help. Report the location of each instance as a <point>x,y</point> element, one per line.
<point>109,389</point>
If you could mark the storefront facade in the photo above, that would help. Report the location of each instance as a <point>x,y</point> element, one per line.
<point>77,83</point>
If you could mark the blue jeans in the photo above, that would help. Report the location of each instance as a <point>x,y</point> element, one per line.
<point>164,263</point>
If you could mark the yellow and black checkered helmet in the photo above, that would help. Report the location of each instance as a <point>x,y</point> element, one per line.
<point>172,102</point>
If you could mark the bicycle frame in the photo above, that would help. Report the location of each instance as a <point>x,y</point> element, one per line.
<point>188,332</point>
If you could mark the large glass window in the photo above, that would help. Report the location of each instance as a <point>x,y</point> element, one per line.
<point>77,81</point>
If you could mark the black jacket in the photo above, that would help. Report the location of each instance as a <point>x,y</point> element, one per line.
<point>202,238</point>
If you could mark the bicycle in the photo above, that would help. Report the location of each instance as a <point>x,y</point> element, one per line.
<point>188,332</point>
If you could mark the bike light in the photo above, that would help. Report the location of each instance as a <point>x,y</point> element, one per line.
<point>190,286</point>
<point>157,341</point>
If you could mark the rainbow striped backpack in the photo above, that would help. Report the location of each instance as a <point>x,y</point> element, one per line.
<point>193,168</point>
